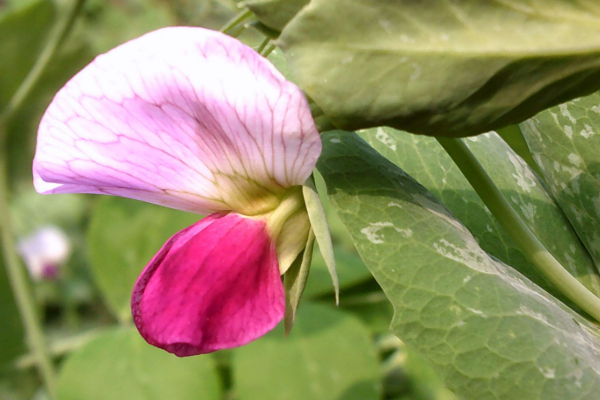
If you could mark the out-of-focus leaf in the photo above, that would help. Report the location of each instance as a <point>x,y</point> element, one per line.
<point>328,356</point>
<point>31,210</point>
<point>11,331</point>
<point>275,14</point>
<point>22,127</point>
<point>443,67</point>
<point>123,236</point>
<point>278,60</point>
<point>565,142</point>
<point>120,365</point>
<point>23,32</point>
<point>211,14</point>
<point>350,268</point>
<point>425,160</point>
<point>108,24</point>
<point>488,330</point>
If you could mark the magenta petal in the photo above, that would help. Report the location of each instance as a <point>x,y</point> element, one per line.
<point>214,285</point>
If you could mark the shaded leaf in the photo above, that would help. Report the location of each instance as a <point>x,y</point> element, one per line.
<point>489,331</point>
<point>275,14</point>
<point>328,356</point>
<point>442,68</point>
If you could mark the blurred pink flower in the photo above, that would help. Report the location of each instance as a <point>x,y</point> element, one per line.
<point>192,119</point>
<point>45,252</point>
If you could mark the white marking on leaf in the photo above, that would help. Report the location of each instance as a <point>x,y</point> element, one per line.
<point>568,131</point>
<point>587,132</point>
<point>386,139</point>
<point>372,231</point>
<point>564,110</point>
<point>575,159</point>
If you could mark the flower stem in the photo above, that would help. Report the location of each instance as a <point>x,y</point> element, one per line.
<point>235,21</point>
<point>268,50</point>
<point>59,32</point>
<point>20,286</point>
<point>264,44</point>
<point>528,243</point>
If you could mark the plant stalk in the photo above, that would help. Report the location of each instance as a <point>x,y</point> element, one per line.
<point>235,21</point>
<point>16,272</point>
<point>21,289</point>
<point>59,32</point>
<point>528,243</point>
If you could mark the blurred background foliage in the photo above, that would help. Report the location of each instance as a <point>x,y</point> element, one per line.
<point>332,353</point>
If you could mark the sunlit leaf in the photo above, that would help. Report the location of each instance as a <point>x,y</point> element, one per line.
<point>488,330</point>
<point>425,160</point>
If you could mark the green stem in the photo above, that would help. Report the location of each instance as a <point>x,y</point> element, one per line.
<point>262,46</point>
<point>57,35</point>
<point>268,50</point>
<point>528,243</point>
<point>235,21</point>
<point>20,286</point>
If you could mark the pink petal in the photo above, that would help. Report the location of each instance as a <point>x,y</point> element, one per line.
<point>183,117</point>
<point>214,285</point>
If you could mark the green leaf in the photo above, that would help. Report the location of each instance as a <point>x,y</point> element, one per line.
<point>120,365</point>
<point>23,32</point>
<point>489,331</point>
<point>275,14</point>
<point>513,137</point>
<point>328,356</point>
<point>18,56</point>
<point>318,221</point>
<point>447,68</point>
<point>295,280</point>
<point>123,236</point>
<point>351,270</point>
<point>426,161</point>
<point>565,143</point>
<point>11,333</point>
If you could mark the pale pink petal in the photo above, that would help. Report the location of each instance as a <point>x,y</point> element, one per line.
<point>183,117</point>
<point>214,285</point>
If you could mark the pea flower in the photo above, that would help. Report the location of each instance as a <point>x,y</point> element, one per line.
<point>45,252</point>
<point>192,119</point>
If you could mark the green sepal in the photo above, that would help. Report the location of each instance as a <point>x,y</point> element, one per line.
<point>294,282</point>
<point>318,220</point>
